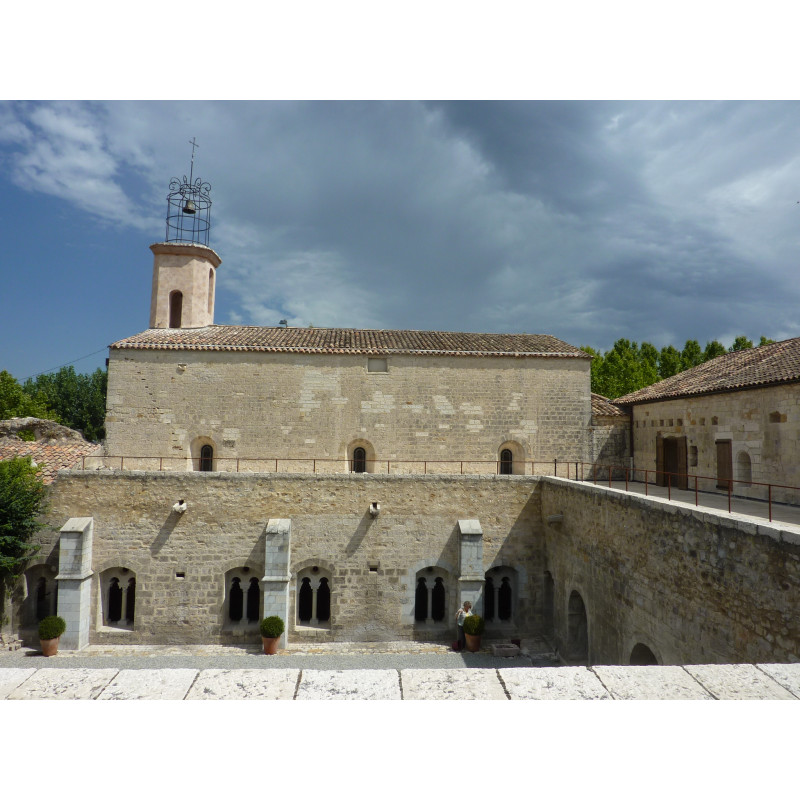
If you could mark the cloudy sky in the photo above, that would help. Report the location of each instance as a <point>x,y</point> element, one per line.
<point>656,221</point>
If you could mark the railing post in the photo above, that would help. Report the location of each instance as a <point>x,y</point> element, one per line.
<point>424,467</point>
<point>626,479</point>
<point>555,467</point>
<point>730,492</point>
<point>462,467</point>
<point>387,465</point>
<point>314,466</point>
<point>645,482</point>
<point>581,471</point>
<point>769,495</point>
<point>696,501</point>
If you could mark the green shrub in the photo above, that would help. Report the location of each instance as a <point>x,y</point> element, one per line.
<point>51,628</point>
<point>271,627</point>
<point>474,625</point>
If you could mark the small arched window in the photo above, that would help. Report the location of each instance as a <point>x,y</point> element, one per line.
<point>506,462</point>
<point>206,463</point>
<point>253,600</point>
<point>314,597</point>
<point>175,309</point>
<point>114,601</point>
<point>359,460</point>
<point>130,601</point>
<point>118,597</point>
<point>430,596</point>
<point>236,600</point>
<point>210,291</point>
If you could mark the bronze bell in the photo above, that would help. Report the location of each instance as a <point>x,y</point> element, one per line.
<point>189,207</point>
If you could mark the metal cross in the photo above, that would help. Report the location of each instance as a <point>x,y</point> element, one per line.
<point>194,144</point>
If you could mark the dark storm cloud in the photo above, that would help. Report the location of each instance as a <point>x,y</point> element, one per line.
<point>588,220</point>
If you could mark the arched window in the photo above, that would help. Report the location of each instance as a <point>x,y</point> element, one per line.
<point>241,605</point>
<point>40,595</point>
<point>499,593</point>
<point>506,462</point>
<point>577,629</point>
<point>359,460</point>
<point>175,309</point>
<point>236,600</point>
<point>118,598</point>
<point>206,462</point>
<point>210,291</point>
<point>42,600</point>
<point>511,458</point>
<point>360,456</point>
<point>642,655</point>
<point>430,596</point>
<point>314,597</point>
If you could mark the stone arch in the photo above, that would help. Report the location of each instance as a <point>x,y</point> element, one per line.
<point>744,467</point>
<point>501,596</point>
<point>117,596</point>
<point>434,594</point>
<point>360,456</point>
<point>577,629</point>
<point>40,598</point>
<point>241,607</point>
<point>313,585</point>
<point>511,458</point>
<point>642,655</point>
<point>203,460</point>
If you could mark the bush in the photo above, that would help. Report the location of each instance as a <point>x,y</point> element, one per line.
<point>271,627</point>
<point>474,625</point>
<point>51,628</point>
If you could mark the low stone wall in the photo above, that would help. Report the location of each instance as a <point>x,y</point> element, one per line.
<point>693,586</point>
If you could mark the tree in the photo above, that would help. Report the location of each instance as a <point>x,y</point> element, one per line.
<point>669,362</point>
<point>22,496</point>
<point>740,343</point>
<point>78,400</point>
<point>16,402</point>
<point>764,341</point>
<point>691,355</point>
<point>713,349</point>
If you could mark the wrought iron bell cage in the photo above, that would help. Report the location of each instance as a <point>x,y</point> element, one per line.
<point>189,211</point>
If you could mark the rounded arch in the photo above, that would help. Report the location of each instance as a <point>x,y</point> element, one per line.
<point>360,456</point>
<point>501,596</point>
<point>511,458</point>
<point>433,596</point>
<point>242,600</point>
<point>313,595</point>
<point>117,598</point>
<point>642,655</point>
<point>203,454</point>
<point>577,629</point>
<point>211,294</point>
<point>40,597</point>
<point>744,468</point>
<point>175,308</point>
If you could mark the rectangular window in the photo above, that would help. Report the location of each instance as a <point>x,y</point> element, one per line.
<point>377,365</point>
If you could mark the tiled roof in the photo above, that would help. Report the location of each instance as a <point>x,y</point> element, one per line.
<point>51,455</point>
<point>603,407</point>
<point>744,369</point>
<point>349,341</point>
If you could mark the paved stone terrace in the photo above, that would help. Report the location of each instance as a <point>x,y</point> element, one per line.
<point>385,671</point>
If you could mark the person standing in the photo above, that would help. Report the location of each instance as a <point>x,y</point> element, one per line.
<point>462,613</point>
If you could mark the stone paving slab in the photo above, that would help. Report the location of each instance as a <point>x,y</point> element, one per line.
<point>149,684</point>
<point>245,684</point>
<point>553,683</point>
<point>738,682</point>
<point>445,684</point>
<point>64,684</point>
<point>349,684</point>
<point>787,675</point>
<point>651,683</point>
<point>11,678</point>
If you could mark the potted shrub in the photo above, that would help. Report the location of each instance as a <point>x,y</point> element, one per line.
<point>473,628</point>
<point>271,631</point>
<point>50,629</point>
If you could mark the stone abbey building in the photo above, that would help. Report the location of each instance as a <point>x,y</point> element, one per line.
<point>362,484</point>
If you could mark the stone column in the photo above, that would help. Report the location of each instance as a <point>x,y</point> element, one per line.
<point>471,577</point>
<point>275,582</point>
<point>74,584</point>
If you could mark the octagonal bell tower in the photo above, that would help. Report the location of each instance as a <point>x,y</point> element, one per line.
<point>184,268</point>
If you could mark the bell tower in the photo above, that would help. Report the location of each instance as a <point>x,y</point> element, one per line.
<point>184,267</point>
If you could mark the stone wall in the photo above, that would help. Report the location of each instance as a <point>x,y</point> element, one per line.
<point>255,406</point>
<point>764,424</point>
<point>693,586</point>
<point>179,561</point>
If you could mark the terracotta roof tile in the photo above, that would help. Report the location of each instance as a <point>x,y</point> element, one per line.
<point>760,366</point>
<point>349,341</point>
<point>603,407</point>
<point>50,455</point>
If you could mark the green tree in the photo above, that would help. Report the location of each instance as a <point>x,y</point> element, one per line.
<point>22,495</point>
<point>669,362</point>
<point>78,400</point>
<point>713,349</point>
<point>764,341</point>
<point>740,343</point>
<point>16,402</point>
<point>691,355</point>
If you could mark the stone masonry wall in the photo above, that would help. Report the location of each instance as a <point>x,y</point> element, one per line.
<point>764,423</point>
<point>695,587</point>
<point>266,405</point>
<point>179,560</point>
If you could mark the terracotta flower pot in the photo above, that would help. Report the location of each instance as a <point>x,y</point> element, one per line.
<point>270,644</point>
<point>49,646</point>
<point>473,642</point>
